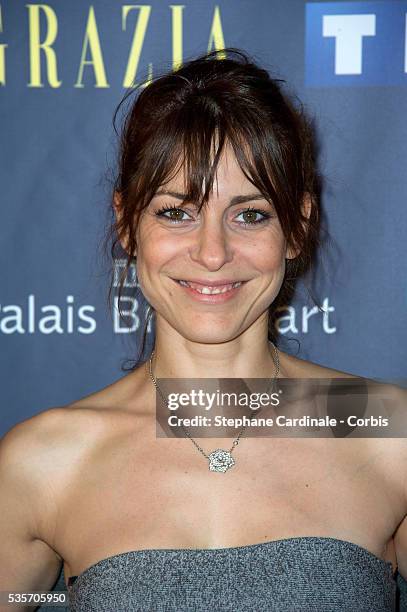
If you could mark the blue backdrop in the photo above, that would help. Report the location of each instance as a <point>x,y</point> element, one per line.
<point>63,69</point>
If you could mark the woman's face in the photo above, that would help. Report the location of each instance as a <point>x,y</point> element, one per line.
<point>224,243</point>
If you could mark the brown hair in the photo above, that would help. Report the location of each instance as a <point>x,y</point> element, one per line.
<point>186,117</point>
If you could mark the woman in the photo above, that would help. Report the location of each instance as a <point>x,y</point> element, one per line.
<point>216,188</point>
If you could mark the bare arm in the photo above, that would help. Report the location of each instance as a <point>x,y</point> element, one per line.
<point>400,538</point>
<point>27,563</point>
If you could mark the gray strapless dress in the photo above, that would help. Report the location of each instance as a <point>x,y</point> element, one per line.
<point>304,574</point>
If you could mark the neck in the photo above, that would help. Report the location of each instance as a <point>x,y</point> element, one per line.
<point>250,355</point>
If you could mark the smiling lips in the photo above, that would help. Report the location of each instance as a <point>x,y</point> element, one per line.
<point>214,291</point>
<point>210,289</point>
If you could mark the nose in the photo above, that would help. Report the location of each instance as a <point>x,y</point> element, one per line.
<point>212,246</point>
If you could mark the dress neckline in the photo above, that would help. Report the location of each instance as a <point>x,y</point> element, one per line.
<point>387,565</point>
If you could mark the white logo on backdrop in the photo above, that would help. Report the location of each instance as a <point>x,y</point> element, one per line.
<point>70,317</point>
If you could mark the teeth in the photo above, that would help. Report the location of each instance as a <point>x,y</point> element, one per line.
<point>210,290</point>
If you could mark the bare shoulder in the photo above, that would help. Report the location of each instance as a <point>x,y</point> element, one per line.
<point>397,449</point>
<point>27,560</point>
<point>43,442</point>
<point>41,460</point>
<point>42,457</point>
<point>44,435</point>
<point>388,455</point>
<point>122,394</point>
<point>39,450</point>
<point>34,436</point>
<point>60,428</point>
<point>385,399</point>
<point>293,367</point>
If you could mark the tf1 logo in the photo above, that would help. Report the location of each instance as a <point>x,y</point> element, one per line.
<point>356,43</point>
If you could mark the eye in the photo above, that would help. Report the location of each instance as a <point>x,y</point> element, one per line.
<point>175,214</point>
<point>250,214</point>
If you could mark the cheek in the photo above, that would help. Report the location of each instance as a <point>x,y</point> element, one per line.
<point>153,258</point>
<point>156,244</point>
<point>268,254</point>
<point>157,256</point>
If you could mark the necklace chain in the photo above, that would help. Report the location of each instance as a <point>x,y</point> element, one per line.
<point>235,442</point>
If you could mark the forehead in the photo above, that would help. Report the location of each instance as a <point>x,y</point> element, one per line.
<point>228,178</point>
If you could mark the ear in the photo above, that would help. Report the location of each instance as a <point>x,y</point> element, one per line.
<point>306,208</point>
<point>117,204</point>
<point>117,200</point>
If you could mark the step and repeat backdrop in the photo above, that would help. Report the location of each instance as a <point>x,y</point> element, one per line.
<point>64,67</point>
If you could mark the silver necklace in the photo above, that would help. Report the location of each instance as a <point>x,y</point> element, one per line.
<point>220,460</point>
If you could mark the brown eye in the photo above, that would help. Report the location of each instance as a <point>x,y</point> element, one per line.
<point>250,216</point>
<point>172,213</point>
<point>176,215</point>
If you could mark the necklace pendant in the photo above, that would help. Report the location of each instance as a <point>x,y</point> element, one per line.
<point>220,460</point>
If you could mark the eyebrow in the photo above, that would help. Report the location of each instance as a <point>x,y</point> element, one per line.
<point>239,199</point>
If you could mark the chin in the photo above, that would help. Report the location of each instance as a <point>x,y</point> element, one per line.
<point>209,336</point>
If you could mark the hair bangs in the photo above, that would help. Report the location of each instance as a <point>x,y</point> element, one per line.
<point>201,139</point>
